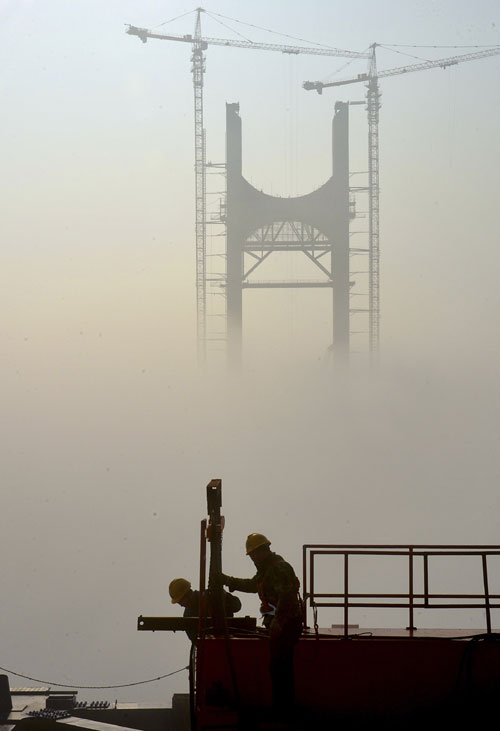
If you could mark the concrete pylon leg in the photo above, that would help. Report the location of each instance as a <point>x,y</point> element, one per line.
<point>234,297</point>
<point>340,252</point>
<point>235,236</point>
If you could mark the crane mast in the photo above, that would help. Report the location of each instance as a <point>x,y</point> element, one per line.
<point>198,69</point>
<point>373,106</point>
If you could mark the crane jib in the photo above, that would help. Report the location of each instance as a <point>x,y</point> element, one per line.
<point>144,34</point>
<point>442,63</point>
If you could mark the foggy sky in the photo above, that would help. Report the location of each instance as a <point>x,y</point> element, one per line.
<point>109,432</point>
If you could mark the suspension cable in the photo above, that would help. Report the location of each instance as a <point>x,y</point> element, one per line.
<point>94,687</point>
<point>344,66</point>
<point>274,32</point>
<point>182,15</point>
<point>402,53</point>
<point>233,30</point>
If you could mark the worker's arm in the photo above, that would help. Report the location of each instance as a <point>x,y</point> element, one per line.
<point>247,585</point>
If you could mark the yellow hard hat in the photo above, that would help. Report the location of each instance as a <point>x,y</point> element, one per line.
<point>256,540</point>
<point>178,588</point>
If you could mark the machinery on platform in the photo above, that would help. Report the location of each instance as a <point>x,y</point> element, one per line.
<point>346,676</point>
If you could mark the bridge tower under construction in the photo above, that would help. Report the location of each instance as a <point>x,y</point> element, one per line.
<point>315,225</point>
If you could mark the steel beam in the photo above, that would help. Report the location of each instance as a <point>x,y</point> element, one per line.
<point>288,285</point>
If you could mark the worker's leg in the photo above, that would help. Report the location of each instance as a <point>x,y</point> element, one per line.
<point>281,666</point>
<point>282,677</point>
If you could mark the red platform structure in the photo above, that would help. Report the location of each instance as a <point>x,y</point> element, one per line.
<point>345,673</point>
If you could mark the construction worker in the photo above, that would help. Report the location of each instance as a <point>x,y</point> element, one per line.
<point>181,593</point>
<point>278,587</point>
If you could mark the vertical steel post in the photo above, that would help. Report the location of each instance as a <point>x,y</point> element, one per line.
<point>486,594</point>
<point>373,106</point>
<point>214,504</point>
<point>198,69</point>
<point>202,611</point>
<point>426,579</point>
<point>346,594</point>
<point>304,586</point>
<point>411,626</point>
<point>203,572</point>
<point>311,578</point>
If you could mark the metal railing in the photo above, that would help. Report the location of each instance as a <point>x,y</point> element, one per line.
<point>411,600</point>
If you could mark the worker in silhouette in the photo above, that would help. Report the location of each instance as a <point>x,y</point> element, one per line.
<point>181,593</point>
<point>278,588</point>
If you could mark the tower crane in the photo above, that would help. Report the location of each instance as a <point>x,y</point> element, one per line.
<point>373,105</point>
<point>199,44</point>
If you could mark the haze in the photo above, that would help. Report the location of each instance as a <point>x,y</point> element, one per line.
<point>109,431</point>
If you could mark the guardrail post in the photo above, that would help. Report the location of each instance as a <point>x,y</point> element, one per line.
<point>346,594</point>
<point>410,627</point>
<point>426,579</point>
<point>486,594</point>
<point>304,586</point>
<point>311,578</point>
